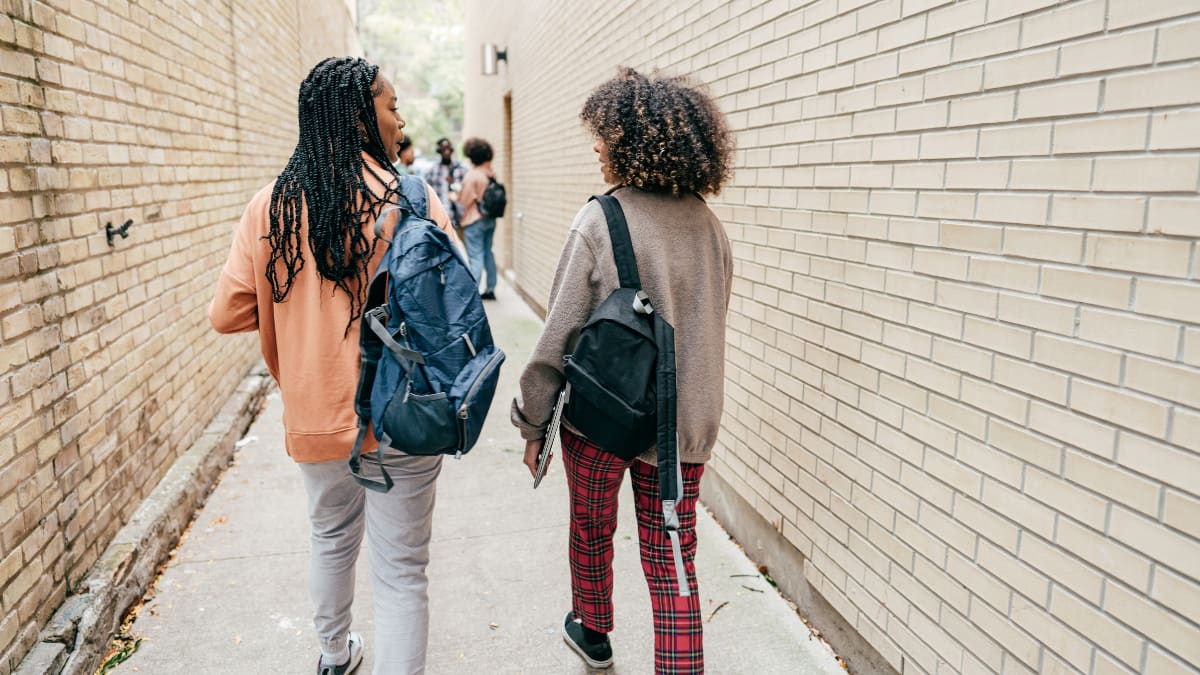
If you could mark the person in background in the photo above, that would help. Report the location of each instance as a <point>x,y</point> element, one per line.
<point>298,270</point>
<point>662,144</point>
<point>446,177</point>
<point>477,229</point>
<point>408,155</point>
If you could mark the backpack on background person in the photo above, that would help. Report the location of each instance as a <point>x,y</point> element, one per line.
<point>494,199</point>
<point>429,365</point>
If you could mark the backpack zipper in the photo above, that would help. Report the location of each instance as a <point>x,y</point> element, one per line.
<point>462,410</point>
<point>442,269</point>
<point>463,413</point>
<point>404,337</point>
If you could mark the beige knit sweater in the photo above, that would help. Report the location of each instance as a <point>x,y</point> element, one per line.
<point>686,268</point>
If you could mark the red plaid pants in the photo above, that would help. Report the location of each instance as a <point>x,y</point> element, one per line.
<point>594,478</point>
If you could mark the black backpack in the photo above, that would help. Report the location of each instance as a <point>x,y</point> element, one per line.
<point>621,378</point>
<point>494,199</point>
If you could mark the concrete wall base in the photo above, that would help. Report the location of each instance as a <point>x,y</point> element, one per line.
<point>78,634</point>
<point>764,545</point>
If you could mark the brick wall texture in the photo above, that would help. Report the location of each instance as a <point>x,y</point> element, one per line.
<point>963,373</point>
<point>170,114</point>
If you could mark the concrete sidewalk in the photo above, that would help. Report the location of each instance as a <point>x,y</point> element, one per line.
<point>234,598</point>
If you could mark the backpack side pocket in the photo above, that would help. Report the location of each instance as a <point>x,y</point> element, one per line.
<point>420,424</point>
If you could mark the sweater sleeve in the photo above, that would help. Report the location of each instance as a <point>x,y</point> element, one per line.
<point>572,297</point>
<point>234,308</point>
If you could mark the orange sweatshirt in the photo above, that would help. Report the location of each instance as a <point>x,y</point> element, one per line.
<point>303,338</point>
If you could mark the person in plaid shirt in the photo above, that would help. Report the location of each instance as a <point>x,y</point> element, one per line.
<point>446,177</point>
<point>662,144</point>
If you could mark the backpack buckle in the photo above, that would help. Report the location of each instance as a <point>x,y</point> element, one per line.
<point>641,303</point>
<point>380,314</point>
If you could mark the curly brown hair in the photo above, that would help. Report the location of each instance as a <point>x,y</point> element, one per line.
<point>477,150</point>
<point>662,133</point>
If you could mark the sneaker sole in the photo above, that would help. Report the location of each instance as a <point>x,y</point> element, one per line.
<point>583,655</point>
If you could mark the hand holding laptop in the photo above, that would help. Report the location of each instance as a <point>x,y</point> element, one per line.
<point>545,452</point>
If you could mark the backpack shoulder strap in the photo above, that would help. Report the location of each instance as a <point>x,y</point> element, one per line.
<point>618,232</point>
<point>412,189</point>
<point>413,199</point>
<point>670,473</point>
<point>373,338</point>
<point>370,346</point>
<point>371,349</point>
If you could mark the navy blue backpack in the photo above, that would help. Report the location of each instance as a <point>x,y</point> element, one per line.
<point>429,366</point>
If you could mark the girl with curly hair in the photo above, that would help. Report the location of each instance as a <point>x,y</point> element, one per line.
<point>298,270</point>
<point>663,145</point>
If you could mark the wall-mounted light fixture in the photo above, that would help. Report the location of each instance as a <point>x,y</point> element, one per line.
<point>492,57</point>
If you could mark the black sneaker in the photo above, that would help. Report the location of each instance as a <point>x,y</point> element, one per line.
<point>488,295</point>
<point>595,655</point>
<point>355,642</point>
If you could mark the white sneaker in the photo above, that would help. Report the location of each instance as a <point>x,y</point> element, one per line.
<point>355,643</point>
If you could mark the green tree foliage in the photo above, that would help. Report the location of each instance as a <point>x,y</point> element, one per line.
<point>418,45</point>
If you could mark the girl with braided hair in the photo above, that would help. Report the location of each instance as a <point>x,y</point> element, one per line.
<point>301,260</point>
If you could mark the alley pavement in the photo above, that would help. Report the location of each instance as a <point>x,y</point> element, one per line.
<point>234,597</point>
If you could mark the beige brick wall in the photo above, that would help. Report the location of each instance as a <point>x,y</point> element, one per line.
<point>169,114</point>
<point>963,373</point>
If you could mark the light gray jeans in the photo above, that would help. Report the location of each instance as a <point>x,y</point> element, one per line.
<point>398,525</point>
